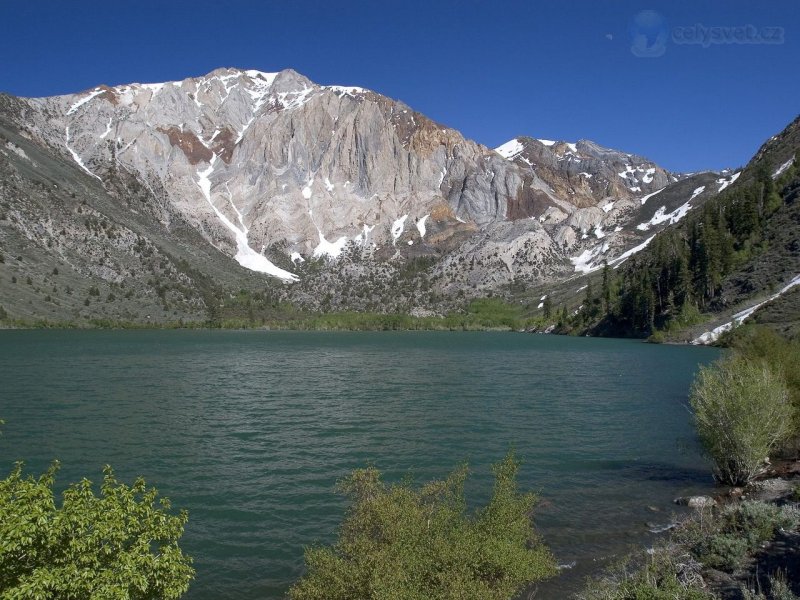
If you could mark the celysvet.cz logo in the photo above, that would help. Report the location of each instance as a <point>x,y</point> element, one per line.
<point>744,34</point>
<point>650,34</point>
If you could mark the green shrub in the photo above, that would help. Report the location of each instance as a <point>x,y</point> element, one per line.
<point>723,551</point>
<point>667,574</point>
<point>122,544</point>
<point>778,590</point>
<point>400,542</point>
<point>742,412</point>
<point>782,355</point>
<point>738,530</point>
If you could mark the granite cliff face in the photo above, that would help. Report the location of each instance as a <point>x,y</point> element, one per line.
<point>252,159</point>
<point>273,170</point>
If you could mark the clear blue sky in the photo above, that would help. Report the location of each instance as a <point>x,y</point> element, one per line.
<point>492,69</point>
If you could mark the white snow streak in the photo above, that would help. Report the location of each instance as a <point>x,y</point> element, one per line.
<point>709,337</point>
<point>108,128</point>
<point>397,228</point>
<point>326,248</point>
<point>260,76</point>
<point>84,100</point>
<point>245,255</point>
<point>346,90</point>
<point>510,149</point>
<point>697,192</point>
<point>421,226</point>
<point>662,216</point>
<point>77,158</point>
<point>723,183</point>
<point>646,198</point>
<point>584,263</point>
<point>241,133</point>
<point>783,168</point>
<point>626,255</point>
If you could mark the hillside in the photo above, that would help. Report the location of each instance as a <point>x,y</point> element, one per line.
<point>737,258</point>
<point>265,195</point>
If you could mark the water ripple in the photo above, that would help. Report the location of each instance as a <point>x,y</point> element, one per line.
<point>251,430</point>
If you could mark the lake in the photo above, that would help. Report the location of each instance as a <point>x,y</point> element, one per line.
<point>250,430</point>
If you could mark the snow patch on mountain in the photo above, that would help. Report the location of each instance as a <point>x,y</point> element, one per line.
<point>421,226</point>
<point>510,149</point>
<point>648,196</point>
<point>329,249</point>
<point>709,337</point>
<point>725,181</point>
<point>84,100</point>
<point>108,128</point>
<point>362,238</point>
<point>397,228</point>
<point>346,90</point>
<point>17,150</point>
<point>673,217</point>
<point>261,76</point>
<point>783,168</point>
<point>584,263</point>
<point>294,99</point>
<point>241,133</point>
<point>307,189</point>
<point>245,255</point>
<point>626,255</point>
<point>76,157</point>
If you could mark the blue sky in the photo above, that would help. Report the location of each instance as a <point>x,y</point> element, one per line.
<point>492,69</point>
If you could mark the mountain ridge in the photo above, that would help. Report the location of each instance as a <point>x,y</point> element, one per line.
<point>274,171</point>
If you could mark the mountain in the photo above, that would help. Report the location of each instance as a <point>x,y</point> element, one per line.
<point>164,188</point>
<point>737,258</point>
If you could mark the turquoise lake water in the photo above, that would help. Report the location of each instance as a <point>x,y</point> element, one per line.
<point>249,430</point>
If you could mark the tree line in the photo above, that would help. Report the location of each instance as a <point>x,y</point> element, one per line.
<point>682,271</point>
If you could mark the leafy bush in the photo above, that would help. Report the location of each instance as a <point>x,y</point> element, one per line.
<point>723,551</point>
<point>667,574</point>
<point>742,412</point>
<point>399,542</point>
<point>724,540</point>
<point>783,356</point>
<point>778,590</point>
<point>120,545</point>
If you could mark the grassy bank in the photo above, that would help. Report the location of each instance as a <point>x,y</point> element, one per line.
<point>739,549</point>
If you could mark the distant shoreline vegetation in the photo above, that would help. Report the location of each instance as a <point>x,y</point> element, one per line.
<point>480,315</point>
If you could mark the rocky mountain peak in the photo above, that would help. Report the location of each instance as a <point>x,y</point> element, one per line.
<point>273,169</point>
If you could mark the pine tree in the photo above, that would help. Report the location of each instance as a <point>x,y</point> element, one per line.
<point>562,321</point>
<point>606,291</point>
